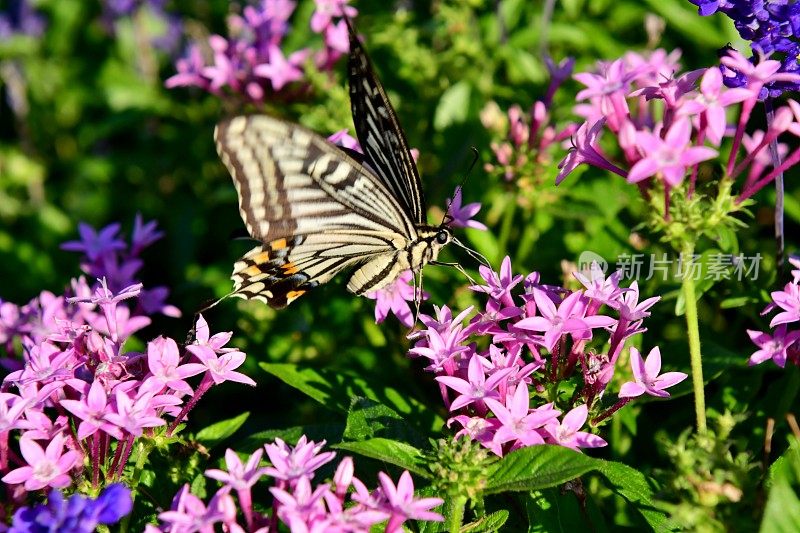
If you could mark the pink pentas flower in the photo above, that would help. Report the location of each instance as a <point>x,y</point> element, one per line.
<point>608,90</point>
<point>789,300</point>
<point>221,366</point>
<point>92,409</point>
<point>394,298</point>
<point>584,150</point>
<point>281,70</point>
<point>647,378</point>
<point>46,467</point>
<point>326,10</point>
<point>291,463</point>
<point>134,414</point>
<point>518,423</point>
<point>190,513</point>
<point>303,507</point>
<point>12,408</point>
<point>401,503</point>
<point>758,75</point>
<point>568,318</point>
<point>629,307</point>
<point>461,216</point>
<point>442,349</point>
<point>598,286</point>
<point>164,362</point>
<point>773,346</point>
<point>203,337</point>
<point>714,97</point>
<point>45,363</point>
<point>498,286</point>
<point>669,157</point>
<point>567,432</point>
<point>476,388</point>
<point>345,140</point>
<point>239,476</point>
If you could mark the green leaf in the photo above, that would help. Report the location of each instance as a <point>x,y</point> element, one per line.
<point>782,512</point>
<point>335,391</point>
<point>490,522</point>
<point>453,106</point>
<point>368,419</point>
<point>553,510</point>
<point>216,433</point>
<point>328,432</point>
<point>390,451</point>
<point>542,467</point>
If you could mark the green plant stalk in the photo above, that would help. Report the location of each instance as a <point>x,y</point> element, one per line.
<point>693,332</point>
<point>141,459</point>
<point>454,513</point>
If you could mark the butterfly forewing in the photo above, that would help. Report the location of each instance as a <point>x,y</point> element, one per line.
<point>315,209</point>
<point>380,135</point>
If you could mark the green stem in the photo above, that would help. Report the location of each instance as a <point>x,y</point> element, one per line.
<point>143,451</point>
<point>693,332</point>
<point>507,224</point>
<point>454,513</point>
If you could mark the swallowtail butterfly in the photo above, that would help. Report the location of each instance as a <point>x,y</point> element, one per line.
<point>318,210</point>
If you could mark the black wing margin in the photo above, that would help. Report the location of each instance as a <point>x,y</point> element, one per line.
<point>379,133</point>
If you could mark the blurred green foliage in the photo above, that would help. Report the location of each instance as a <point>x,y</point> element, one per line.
<point>89,133</point>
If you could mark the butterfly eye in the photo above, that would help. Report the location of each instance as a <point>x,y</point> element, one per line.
<point>443,237</point>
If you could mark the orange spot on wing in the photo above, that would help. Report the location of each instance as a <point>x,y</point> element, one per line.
<point>293,295</point>
<point>252,270</point>
<point>278,244</point>
<point>263,257</point>
<point>289,268</point>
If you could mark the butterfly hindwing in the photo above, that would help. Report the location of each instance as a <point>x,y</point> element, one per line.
<point>380,135</point>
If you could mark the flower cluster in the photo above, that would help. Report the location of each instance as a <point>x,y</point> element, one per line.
<point>664,126</point>
<point>74,396</point>
<point>782,345</point>
<point>529,137</point>
<point>772,28</point>
<point>342,504</point>
<point>76,514</point>
<point>19,18</point>
<point>533,341</point>
<point>251,63</point>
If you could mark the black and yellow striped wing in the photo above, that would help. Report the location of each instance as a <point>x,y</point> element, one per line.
<point>315,210</point>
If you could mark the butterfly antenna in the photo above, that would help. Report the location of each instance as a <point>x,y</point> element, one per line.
<point>417,297</point>
<point>460,186</point>
<point>474,254</point>
<point>208,305</point>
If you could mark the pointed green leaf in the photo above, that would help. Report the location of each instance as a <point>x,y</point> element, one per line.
<point>390,451</point>
<point>216,433</point>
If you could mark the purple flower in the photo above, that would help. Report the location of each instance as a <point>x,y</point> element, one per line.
<point>789,300</point>
<point>646,376</point>
<point>280,70</point>
<point>344,139</point>
<point>773,346</point>
<point>221,366</point>
<point>46,467</point>
<point>77,514</point>
<point>189,513</point>
<point>163,360</point>
<point>91,409</point>
<point>402,504</point>
<point>326,10</point>
<point>96,244</point>
<point>668,157</point>
<point>461,217</point>
<point>395,297</point>
<point>566,433</point>
<point>584,150</point>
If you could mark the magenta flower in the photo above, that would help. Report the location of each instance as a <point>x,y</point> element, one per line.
<point>203,337</point>
<point>163,360</point>
<point>668,157</point>
<point>498,286</point>
<point>599,287</point>
<point>326,10</point>
<point>11,409</point>
<point>221,366</point>
<point>712,101</point>
<point>478,388</point>
<point>46,467</point>
<point>584,151</point>
<point>96,244</point>
<point>518,422</point>
<point>773,346</point>
<point>647,378</point>
<point>133,415</point>
<point>345,140</point>
<point>395,297</point>
<point>567,432</point>
<point>281,70</point>
<point>303,506</point>
<point>91,409</point>
<point>239,476</point>
<point>402,505</point>
<point>630,309</point>
<point>189,513</point>
<point>461,217</point>
<point>789,300</point>
<point>567,318</point>
<point>291,463</point>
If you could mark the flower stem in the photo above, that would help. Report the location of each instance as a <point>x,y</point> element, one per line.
<point>143,452</point>
<point>693,332</point>
<point>454,513</point>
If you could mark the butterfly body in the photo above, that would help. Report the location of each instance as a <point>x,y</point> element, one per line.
<point>316,210</point>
